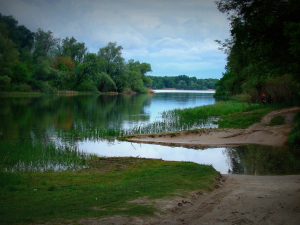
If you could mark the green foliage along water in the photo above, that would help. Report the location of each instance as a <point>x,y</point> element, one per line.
<point>182,82</point>
<point>40,61</point>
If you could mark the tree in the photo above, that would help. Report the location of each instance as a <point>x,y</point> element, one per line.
<point>111,61</point>
<point>75,50</point>
<point>63,63</point>
<point>44,43</point>
<point>8,52</point>
<point>262,44</point>
<point>20,35</point>
<point>104,83</point>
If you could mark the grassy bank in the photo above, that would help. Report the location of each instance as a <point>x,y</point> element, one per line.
<point>105,188</point>
<point>231,114</point>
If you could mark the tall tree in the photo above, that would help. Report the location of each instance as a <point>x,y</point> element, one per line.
<point>8,55</point>
<point>111,60</point>
<point>44,43</point>
<point>262,44</point>
<point>76,50</point>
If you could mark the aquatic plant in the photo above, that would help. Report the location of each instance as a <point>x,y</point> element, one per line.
<point>36,156</point>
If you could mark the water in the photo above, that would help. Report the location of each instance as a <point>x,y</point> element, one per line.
<point>72,121</point>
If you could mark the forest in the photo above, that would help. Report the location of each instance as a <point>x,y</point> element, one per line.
<point>39,61</point>
<point>182,82</point>
<point>263,51</point>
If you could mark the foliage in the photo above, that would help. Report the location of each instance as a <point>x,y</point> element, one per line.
<point>294,136</point>
<point>263,48</point>
<point>40,61</point>
<point>63,63</point>
<point>182,82</point>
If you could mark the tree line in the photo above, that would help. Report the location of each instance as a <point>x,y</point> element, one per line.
<point>263,51</point>
<point>40,61</point>
<point>182,82</point>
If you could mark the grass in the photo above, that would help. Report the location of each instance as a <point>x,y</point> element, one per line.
<point>277,120</point>
<point>104,189</point>
<point>231,114</point>
<point>28,156</point>
<point>226,114</point>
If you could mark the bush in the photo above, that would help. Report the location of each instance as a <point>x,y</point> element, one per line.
<point>87,86</point>
<point>281,89</point>
<point>294,137</point>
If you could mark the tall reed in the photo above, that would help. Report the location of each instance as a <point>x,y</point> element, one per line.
<point>35,156</point>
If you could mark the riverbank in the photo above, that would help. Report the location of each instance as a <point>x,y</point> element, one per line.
<point>238,199</point>
<point>259,133</point>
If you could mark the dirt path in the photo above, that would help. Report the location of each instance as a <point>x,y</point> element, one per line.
<point>258,133</point>
<point>241,199</point>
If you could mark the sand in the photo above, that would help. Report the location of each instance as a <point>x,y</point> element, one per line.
<point>258,133</point>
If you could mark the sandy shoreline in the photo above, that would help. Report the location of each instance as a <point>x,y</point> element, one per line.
<point>258,133</point>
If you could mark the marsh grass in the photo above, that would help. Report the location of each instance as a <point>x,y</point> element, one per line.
<point>28,156</point>
<point>104,189</point>
<point>224,114</point>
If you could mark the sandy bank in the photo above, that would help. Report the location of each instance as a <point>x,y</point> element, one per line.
<point>258,133</point>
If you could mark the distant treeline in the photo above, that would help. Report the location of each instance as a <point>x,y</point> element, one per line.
<point>182,82</point>
<point>40,61</point>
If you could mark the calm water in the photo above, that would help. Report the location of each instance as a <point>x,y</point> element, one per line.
<point>54,119</point>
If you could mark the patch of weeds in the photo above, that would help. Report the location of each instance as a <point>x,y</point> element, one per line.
<point>173,134</point>
<point>277,120</point>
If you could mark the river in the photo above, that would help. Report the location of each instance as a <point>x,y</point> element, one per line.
<point>56,119</point>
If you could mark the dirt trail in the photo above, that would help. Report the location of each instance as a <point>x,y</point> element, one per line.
<point>258,133</point>
<point>241,199</point>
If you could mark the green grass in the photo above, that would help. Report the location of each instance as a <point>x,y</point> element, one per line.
<point>33,156</point>
<point>104,189</point>
<point>231,114</point>
<point>277,120</point>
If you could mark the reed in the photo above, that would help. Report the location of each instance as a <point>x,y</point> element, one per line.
<point>28,156</point>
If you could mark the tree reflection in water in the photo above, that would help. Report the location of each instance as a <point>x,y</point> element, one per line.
<point>263,160</point>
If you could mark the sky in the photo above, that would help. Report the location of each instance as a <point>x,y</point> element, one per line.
<point>175,36</point>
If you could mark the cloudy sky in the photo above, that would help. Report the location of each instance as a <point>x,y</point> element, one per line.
<point>175,36</point>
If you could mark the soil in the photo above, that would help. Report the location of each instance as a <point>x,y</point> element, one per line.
<point>236,199</point>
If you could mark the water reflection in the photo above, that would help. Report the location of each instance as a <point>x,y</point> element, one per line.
<point>263,160</point>
<point>54,119</point>
<point>212,156</point>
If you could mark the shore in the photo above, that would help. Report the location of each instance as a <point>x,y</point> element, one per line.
<point>258,133</point>
<point>237,199</point>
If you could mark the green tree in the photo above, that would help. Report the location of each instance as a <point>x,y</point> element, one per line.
<point>44,43</point>
<point>111,60</point>
<point>263,44</point>
<point>104,83</point>
<point>76,50</point>
<point>8,54</point>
